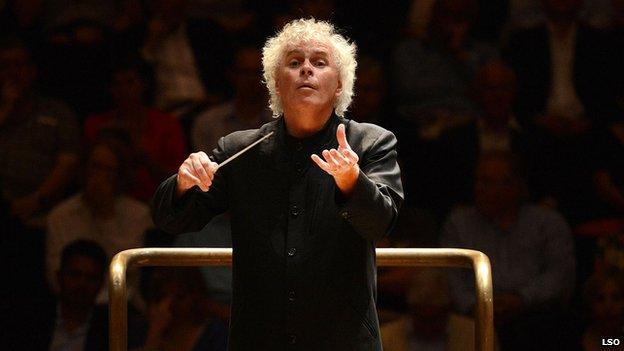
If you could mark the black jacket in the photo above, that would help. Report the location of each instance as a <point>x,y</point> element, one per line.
<point>304,275</point>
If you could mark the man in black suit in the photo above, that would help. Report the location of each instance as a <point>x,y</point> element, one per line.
<point>304,226</point>
<point>561,71</point>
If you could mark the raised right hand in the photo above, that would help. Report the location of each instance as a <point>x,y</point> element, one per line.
<point>198,170</point>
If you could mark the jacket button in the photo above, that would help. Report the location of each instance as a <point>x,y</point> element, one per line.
<point>292,251</point>
<point>295,211</point>
<point>345,214</point>
<point>292,339</point>
<point>291,295</point>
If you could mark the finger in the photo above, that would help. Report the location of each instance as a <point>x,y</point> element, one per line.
<point>333,164</point>
<point>207,166</point>
<point>200,171</point>
<point>322,164</point>
<point>340,159</point>
<point>341,135</point>
<point>350,155</point>
<point>188,176</point>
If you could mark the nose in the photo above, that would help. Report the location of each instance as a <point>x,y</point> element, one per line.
<point>306,68</point>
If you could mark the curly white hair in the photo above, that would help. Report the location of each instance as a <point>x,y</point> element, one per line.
<point>342,52</point>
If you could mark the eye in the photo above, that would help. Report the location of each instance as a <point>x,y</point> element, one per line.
<point>320,63</point>
<point>293,63</point>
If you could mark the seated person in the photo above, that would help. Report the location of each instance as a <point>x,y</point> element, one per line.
<point>179,314</point>
<point>156,140</point>
<point>72,320</point>
<point>531,252</point>
<point>99,212</point>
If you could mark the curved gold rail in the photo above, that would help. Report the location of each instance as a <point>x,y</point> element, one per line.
<point>479,262</point>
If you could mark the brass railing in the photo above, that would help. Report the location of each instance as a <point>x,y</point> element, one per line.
<point>479,262</point>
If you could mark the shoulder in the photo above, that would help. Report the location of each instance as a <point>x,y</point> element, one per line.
<point>234,141</point>
<point>367,134</point>
<point>542,215</point>
<point>67,207</point>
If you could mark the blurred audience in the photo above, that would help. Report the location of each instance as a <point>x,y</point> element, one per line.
<point>561,71</point>
<point>71,320</point>
<point>189,57</point>
<point>531,252</point>
<point>39,143</point>
<point>99,212</point>
<point>370,103</point>
<point>494,130</point>
<point>179,313</point>
<point>247,109</point>
<point>432,76</point>
<point>155,139</point>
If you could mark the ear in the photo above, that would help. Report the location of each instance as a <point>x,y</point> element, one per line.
<point>277,87</point>
<point>338,88</point>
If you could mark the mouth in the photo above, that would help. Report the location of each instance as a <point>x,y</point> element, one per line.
<point>307,86</point>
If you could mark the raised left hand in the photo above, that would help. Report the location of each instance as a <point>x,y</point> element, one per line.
<point>342,164</point>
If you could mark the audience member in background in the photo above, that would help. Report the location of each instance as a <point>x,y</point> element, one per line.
<point>247,109</point>
<point>189,57</point>
<point>72,320</point>
<point>218,279</point>
<point>426,325</point>
<point>494,130</point>
<point>156,140</point>
<point>99,212</point>
<point>371,93</point>
<point>76,58</point>
<point>178,313</point>
<point>39,140</point>
<point>563,83</point>
<point>561,71</point>
<point>531,252</point>
<point>432,76</point>
<point>604,309</point>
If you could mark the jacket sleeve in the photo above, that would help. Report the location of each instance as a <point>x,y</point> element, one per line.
<point>373,206</point>
<point>195,208</point>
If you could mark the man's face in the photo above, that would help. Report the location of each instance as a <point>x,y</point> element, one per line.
<point>80,281</point>
<point>497,93</point>
<point>496,187</point>
<point>308,77</point>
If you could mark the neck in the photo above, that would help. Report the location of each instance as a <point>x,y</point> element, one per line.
<point>304,123</point>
